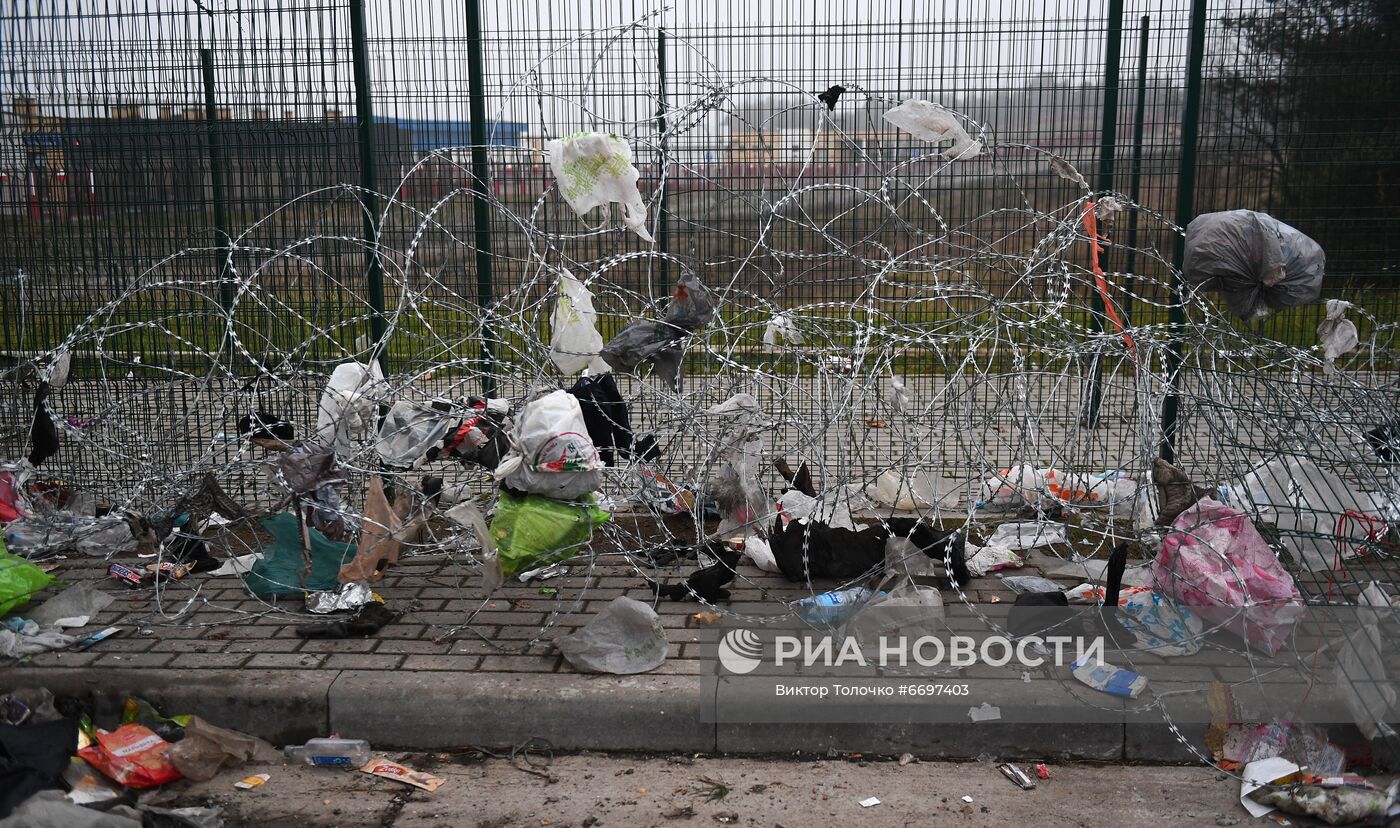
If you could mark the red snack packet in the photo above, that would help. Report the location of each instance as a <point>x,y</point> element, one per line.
<point>131,755</point>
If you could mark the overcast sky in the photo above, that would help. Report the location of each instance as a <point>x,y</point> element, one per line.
<point>558,65</point>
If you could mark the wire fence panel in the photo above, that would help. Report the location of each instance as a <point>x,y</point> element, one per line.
<point>201,185</point>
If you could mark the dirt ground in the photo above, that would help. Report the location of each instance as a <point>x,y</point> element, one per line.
<point>627,790</point>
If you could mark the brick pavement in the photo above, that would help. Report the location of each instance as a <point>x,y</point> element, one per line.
<point>205,637</point>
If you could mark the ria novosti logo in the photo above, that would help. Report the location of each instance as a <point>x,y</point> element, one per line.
<point>740,651</point>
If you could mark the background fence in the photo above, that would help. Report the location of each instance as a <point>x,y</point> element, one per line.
<point>143,129</point>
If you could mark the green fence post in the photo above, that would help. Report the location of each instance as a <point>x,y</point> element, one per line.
<point>1108,136</point>
<point>369,181</point>
<point>216,181</point>
<point>663,224</point>
<point>1185,205</point>
<point>1135,178</point>
<point>481,190</point>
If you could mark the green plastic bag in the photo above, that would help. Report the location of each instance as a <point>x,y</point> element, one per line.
<point>535,531</point>
<point>281,570</point>
<point>19,580</point>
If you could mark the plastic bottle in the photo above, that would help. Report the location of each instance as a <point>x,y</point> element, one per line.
<point>331,753</point>
<point>831,608</point>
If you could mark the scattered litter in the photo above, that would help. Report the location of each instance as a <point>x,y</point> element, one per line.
<point>1018,536</point>
<point>985,712</point>
<point>238,565</point>
<point>132,755</point>
<point>906,758</point>
<point>1042,772</point>
<point>331,753</point>
<point>126,575</point>
<point>100,635</point>
<point>393,770</point>
<point>250,782</point>
<point>1112,680</point>
<point>1272,771</point>
<point>967,799</point>
<point>543,573</point>
<point>985,559</point>
<point>707,617</point>
<point>549,591</point>
<point>1016,775</point>
<point>1029,583</point>
<point>626,637</point>
<point>350,596</point>
<point>870,802</point>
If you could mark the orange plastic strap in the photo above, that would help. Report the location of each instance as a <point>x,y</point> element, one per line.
<point>1091,226</point>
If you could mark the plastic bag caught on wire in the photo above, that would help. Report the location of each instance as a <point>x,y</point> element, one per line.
<point>1361,675</point>
<point>594,170</point>
<point>552,453</point>
<point>1215,562</point>
<point>1318,514</point>
<point>575,343</point>
<point>348,406</point>
<point>692,307</point>
<point>410,430</point>
<point>1257,261</point>
<point>935,124</point>
<point>1336,333</point>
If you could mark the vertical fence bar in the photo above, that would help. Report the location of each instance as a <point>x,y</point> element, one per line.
<point>1185,204</point>
<point>1108,137</point>
<point>1135,179</point>
<point>663,224</point>
<point>369,181</point>
<point>481,190</point>
<point>216,179</point>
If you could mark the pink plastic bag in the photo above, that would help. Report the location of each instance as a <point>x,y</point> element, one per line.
<point>1215,562</point>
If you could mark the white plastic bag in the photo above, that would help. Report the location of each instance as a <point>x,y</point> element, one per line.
<point>780,330</point>
<point>1012,488</point>
<point>1310,508</point>
<point>408,431</point>
<point>896,491</point>
<point>935,124</point>
<point>909,609</point>
<point>1337,334</point>
<point>594,169</point>
<point>575,342</point>
<point>349,404</point>
<point>1361,675</point>
<point>552,454</point>
<point>1028,535</point>
<point>757,550</point>
<point>625,638</point>
<point>897,396</point>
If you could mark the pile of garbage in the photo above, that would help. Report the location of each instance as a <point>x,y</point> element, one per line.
<point>60,770</point>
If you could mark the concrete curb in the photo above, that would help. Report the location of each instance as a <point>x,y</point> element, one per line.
<point>661,713</point>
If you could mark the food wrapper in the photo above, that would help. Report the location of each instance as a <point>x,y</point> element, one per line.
<point>131,755</point>
<point>350,596</point>
<point>399,773</point>
<point>253,781</point>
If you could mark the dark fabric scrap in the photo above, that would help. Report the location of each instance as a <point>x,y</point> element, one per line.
<point>367,621</point>
<point>821,551</point>
<point>605,415</point>
<point>33,758</point>
<point>706,583</point>
<point>43,433</point>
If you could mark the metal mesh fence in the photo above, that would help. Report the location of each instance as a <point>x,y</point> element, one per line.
<point>137,139</point>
